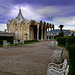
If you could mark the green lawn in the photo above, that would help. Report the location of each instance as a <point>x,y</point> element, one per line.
<point>61,45</point>
<point>1,45</point>
<point>26,42</point>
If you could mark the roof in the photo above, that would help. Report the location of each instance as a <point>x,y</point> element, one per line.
<point>72,30</point>
<point>20,16</point>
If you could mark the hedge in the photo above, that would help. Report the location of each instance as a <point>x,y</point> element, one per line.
<point>71,51</point>
<point>62,40</point>
<point>8,38</point>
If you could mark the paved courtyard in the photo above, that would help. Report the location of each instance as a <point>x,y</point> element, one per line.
<point>28,59</point>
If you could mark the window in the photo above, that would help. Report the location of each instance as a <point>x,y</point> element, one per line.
<point>23,23</point>
<point>15,24</point>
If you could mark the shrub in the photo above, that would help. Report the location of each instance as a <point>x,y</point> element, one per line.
<point>70,69</point>
<point>71,51</point>
<point>62,40</point>
<point>72,40</point>
<point>61,34</point>
<point>8,38</point>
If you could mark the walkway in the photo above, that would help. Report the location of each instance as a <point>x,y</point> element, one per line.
<point>29,59</point>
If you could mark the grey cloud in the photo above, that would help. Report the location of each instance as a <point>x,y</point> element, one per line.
<point>55,11</point>
<point>66,20</point>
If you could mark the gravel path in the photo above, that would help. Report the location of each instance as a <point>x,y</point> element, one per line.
<point>29,59</point>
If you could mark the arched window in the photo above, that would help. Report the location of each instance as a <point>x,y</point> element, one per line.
<point>16,24</point>
<point>23,23</point>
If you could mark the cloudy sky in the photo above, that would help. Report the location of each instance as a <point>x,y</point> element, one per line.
<point>53,11</point>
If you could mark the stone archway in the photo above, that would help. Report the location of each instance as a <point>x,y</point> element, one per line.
<point>33,30</point>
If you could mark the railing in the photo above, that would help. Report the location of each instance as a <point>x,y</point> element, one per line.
<point>6,34</point>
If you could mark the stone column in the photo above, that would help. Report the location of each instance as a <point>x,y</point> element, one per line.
<point>28,35</point>
<point>12,28</point>
<point>31,35</point>
<point>45,34</point>
<point>42,33</point>
<point>38,32</point>
<point>48,33</point>
<point>21,35</point>
<point>21,32</point>
<point>51,34</point>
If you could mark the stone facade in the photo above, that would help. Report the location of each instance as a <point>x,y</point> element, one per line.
<point>27,29</point>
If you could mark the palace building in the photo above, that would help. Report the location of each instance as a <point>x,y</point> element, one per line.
<point>24,29</point>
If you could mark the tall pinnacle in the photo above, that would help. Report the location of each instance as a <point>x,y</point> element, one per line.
<point>19,10</point>
<point>20,16</point>
<point>19,7</point>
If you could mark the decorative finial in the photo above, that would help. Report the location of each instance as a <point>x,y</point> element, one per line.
<point>19,7</point>
<point>19,10</point>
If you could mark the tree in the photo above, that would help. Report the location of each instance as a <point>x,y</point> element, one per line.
<point>61,34</point>
<point>61,26</point>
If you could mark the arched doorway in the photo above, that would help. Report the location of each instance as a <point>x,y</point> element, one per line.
<point>33,30</point>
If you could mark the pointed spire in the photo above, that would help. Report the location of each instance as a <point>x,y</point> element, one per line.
<point>19,10</point>
<point>20,16</point>
<point>19,7</point>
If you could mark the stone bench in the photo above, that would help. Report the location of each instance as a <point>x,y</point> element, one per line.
<point>15,42</point>
<point>57,55</point>
<point>21,41</point>
<point>53,44</point>
<point>58,69</point>
<point>5,43</point>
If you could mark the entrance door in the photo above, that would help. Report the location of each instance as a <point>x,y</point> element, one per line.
<point>35,33</point>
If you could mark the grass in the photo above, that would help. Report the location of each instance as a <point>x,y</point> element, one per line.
<point>26,42</point>
<point>70,69</point>
<point>61,45</point>
<point>1,45</point>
